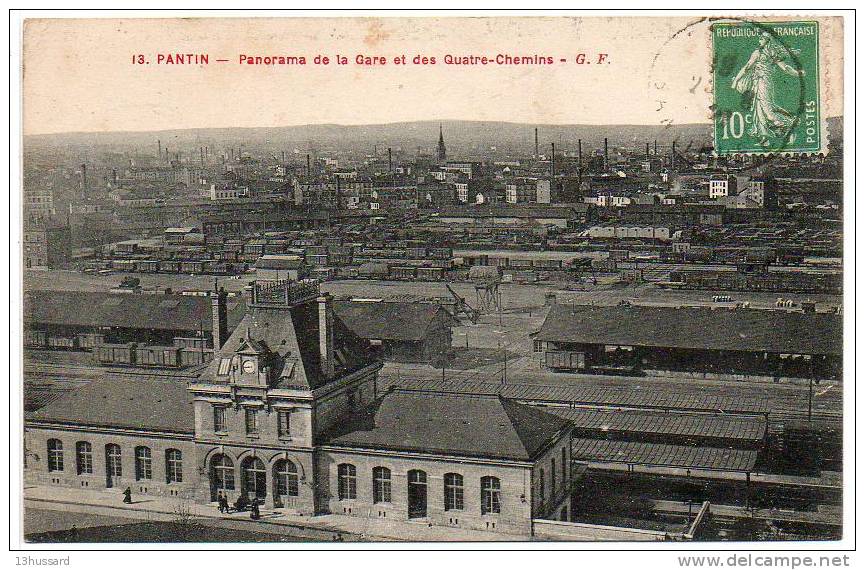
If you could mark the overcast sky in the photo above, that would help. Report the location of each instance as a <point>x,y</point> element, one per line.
<point>79,76</point>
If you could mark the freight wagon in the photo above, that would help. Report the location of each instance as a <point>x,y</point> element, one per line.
<point>403,273</point>
<point>168,356</point>
<point>547,264</point>
<point>191,267</point>
<point>169,266</point>
<point>565,360</point>
<point>35,339</point>
<point>116,353</point>
<point>430,273</point>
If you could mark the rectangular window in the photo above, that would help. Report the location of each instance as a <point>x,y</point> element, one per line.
<point>224,367</point>
<point>491,499</point>
<point>84,458</point>
<point>143,464</point>
<point>541,486</point>
<point>381,485</point>
<point>347,484</point>
<point>564,465</point>
<point>173,466</point>
<point>283,423</point>
<point>251,421</point>
<point>55,455</point>
<point>454,492</point>
<point>219,418</point>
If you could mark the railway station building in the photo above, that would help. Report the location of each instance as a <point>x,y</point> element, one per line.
<point>290,411</point>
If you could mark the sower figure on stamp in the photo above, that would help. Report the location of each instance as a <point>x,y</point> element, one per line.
<point>767,118</point>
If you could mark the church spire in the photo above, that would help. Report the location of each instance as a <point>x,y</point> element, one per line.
<point>442,154</point>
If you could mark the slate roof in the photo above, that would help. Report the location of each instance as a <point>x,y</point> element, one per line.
<point>695,328</point>
<point>636,422</point>
<point>125,310</point>
<point>389,320</point>
<point>659,454</point>
<point>461,425</point>
<point>289,337</point>
<point>646,396</point>
<point>146,403</point>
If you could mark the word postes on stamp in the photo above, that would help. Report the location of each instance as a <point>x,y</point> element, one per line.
<point>766,87</point>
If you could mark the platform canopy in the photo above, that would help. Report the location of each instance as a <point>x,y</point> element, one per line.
<point>663,455</point>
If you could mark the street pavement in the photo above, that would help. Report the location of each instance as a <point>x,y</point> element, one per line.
<point>319,528</point>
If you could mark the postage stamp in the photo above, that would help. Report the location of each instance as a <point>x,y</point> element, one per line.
<point>766,87</point>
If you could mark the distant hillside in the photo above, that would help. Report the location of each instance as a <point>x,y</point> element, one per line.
<point>460,136</point>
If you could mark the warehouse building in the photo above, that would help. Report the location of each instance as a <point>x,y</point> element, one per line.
<point>167,330</point>
<point>401,332</point>
<point>628,339</point>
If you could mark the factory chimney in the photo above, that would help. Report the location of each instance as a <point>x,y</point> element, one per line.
<point>159,145</point>
<point>201,150</point>
<point>308,167</point>
<point>553,164</point>
<point>656,147</point>
<point>580,161</point>
<point>219,306</point>
<point>606,155</point>
<point>283,157</point>
<point>647,150</point>
<point>325,334</point>
<point>83,177</point>
<point>673,157</point>
<point>537,151</point>
<point>389,160</point>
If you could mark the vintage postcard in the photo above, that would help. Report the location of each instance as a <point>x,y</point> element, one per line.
<point>429,278</point>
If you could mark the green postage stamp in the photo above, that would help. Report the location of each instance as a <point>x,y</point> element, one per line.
<point>766,87</point>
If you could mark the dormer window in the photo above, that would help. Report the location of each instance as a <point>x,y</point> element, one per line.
<point>224,367</point>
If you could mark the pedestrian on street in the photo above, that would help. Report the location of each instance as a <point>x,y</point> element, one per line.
<point>254,513</point>
<point>127,496</point>
<point>219,501</point>
<point>223,504</point>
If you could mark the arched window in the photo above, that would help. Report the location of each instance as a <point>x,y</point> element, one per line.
<point>254,477</point>
<point>84,457</point>
<point>173,466</point>
<point>380,485</point>
<point>347,484</point>
<point>285,475</point>
<point>491,495</point>
<point>55,455</point>
<point>453,492</point>
<point>143,464</point>
<point>222,473</point>
<point>113,464</point>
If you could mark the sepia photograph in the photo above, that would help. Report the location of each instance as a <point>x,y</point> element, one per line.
<point>432,278</point>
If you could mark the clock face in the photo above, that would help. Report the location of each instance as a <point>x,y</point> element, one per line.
<point>249,366</point>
